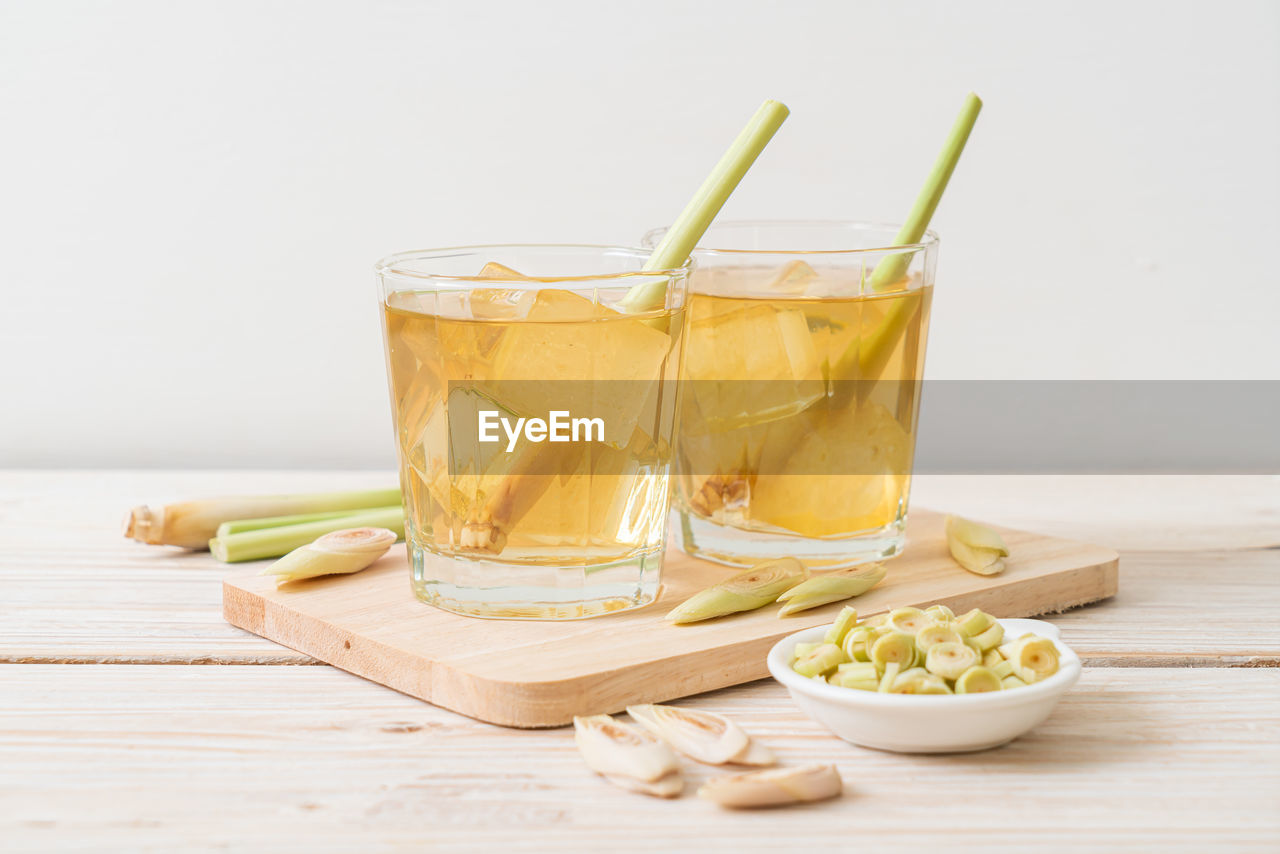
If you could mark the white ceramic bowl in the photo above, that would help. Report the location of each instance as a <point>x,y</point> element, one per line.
<point>927,723</point>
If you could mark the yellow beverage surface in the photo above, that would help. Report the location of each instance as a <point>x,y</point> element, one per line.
<point>544,503</point>
<point>771,440</point>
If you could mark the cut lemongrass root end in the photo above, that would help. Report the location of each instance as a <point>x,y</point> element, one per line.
<point>337,553</point>
<point>774,787</point>
<point>687,230</point>
<point>191,524</point>
<point>925,651</point>
<point>975,547</point>
<point>754,588</point>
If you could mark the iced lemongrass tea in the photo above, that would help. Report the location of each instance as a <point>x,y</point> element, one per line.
<point>801,384</point>
<point>535,420</point>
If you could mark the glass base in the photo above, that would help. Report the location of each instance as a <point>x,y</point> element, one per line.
<point>741,548</point>
<point>500,590</point>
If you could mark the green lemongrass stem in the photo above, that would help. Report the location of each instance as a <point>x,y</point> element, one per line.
<point>687,230</point>
<point>891,671</point>
<point>869,355</point>
<point>975,547</point>
<point>990,639</point>
<point>191,524</point>
<point>974,622</point>
<point>274,542</point>
<point>746,591</point>
<point>845,620</point>
<point>239,526</point>
<point>891,269</point>
<point>835,586</point>
<point>336,553</point>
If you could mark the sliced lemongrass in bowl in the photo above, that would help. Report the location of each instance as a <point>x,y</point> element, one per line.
<point>336,553</point>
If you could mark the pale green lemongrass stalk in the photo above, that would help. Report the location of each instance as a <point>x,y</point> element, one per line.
<point>239,526</point>
<point>687,230</point>
<point>274,542</point>
<point>191,524</point>
<point>337,553</point>
<point>746,591</point>
<point>870,354</point>
<point>834,586</point>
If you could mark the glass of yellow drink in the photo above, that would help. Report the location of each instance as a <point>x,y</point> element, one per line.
<point>801,391</point>
<point>534,418</point>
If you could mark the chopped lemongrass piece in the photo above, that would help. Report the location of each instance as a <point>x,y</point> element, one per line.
<point>774,787</point>
<point>974,623</point>
<point>978,680</point>
<point>703,736</point>
<point>274,542</point>
<point>669,786</point>
<point>755,754</point>
<point>697,215</point>
<point>975,547</point>
<point>894,648</point>
<point>909,620</point>
<point>891,671</point>
<point>821,662</point>
<point>940,613</point>
<point>919,681</point>
<point>845,620</point>
<point>746,591</point>
<point>829,587</point>
<point>949,660</point>
<point>933,635</point>
<point>191,524</point>
<point>337,553</point>
<point>990,639</point>
<point>1034,659</point>
<point>857,643</point>
<point>617,749</point>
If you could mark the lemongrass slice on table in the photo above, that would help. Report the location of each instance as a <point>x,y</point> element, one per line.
<point>613,749</point>
<point>669,786</point>
<point>704,736</point>
<point>337,553</point>
<point>275,542</point>
<point>773,787</point>
<point>753,588</point>
<point>191,524</point>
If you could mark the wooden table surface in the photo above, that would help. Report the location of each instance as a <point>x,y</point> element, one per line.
<point>119,731</point>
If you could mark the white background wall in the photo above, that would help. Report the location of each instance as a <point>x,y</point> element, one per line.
<point>192,194</point>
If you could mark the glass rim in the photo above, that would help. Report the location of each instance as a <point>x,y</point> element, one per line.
<point>387,266</point>
<point>930,240</point>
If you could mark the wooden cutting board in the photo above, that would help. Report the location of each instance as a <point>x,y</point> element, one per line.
<point>536,674</point>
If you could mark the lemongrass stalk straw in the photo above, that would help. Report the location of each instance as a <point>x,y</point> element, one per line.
<point>697,215</point>
<point>274,542</point>
<point>190,524</point>
<point>336,553</point>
